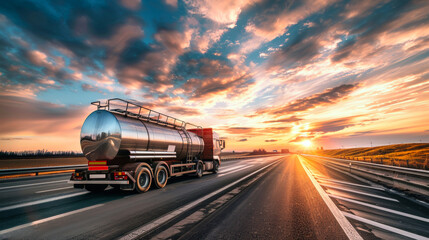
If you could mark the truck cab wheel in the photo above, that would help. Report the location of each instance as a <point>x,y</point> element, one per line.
<point>200,169</point>
<point>95,187</point>
<point>215,167</point>
<point>143,180</point>
<point>161,176</point>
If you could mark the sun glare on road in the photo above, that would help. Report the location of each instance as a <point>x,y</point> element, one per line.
<point>306,143</point>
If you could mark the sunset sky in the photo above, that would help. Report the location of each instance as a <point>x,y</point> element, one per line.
<point>264,74</point>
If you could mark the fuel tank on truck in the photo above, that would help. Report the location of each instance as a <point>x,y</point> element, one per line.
<point>106,136</point>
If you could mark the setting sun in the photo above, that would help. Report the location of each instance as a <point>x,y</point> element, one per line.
<point>306,143</point>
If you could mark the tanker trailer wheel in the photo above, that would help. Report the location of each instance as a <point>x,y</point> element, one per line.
<point>200,169</point>
<point>143,180</point>
<point>215,167</point>
<point>161,176</point>
<point>95,187</point>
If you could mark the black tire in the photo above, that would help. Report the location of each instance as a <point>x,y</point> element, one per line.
<point>143,180</point>
<point>78,186</point>
<point>215,166</point>
<point>200,169</point>
<point>95,187</point>
<point>160,176</point>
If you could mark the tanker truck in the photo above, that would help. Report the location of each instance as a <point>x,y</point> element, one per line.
<point>131,147</point>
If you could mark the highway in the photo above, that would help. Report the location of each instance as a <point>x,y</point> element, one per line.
<point>273,197</point>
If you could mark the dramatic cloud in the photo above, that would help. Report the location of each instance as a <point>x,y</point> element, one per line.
<point>213,77</point>
<point>285,120</point>
<point>260,70</point>
<point>275,17</point>
<point>184,110</point>
<point>329,96</point>
<point>222,11</point>
<point>333,125</point>
<point>17,113</point>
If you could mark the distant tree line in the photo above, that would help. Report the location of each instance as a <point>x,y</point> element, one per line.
<point>259,151</point>
<point>37,153</point>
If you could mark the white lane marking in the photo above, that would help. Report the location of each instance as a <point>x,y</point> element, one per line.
<point>232,168</point>
<point>55,189</point>
<point>381,208</point>
<point>237,170</point>
<point>31,184</point>
<point>359,192</point>
<point>204,211</point>
<point>349,230</point>
<point>385,227</point>
<point>351,184</point>
<point>48,219</point>
<point>161,220</point>
<point>41,201</point>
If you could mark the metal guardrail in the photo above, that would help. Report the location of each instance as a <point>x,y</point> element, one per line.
<point>37,170</point>
<point>407,179</point>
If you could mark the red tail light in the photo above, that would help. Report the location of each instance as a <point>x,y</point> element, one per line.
<point>120,176</point>
<point>97,166</point>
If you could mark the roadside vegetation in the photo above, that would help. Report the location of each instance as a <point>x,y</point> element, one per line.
<point>37,154</point>
<point>413,155</point>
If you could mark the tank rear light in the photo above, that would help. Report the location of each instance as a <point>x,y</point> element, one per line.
<point>77,176</point>
<point>97,163</point>
<point>98,168</point>
<point>120,176</point>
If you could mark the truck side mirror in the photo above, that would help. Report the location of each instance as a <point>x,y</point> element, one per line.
<point>223,144</point>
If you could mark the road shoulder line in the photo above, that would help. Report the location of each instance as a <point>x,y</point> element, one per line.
<point>347,227</point>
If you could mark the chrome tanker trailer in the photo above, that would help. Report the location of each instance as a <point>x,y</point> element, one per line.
<point>130,147</point>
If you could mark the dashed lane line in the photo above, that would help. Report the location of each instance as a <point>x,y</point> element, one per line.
<point>385,227</point>
<point>351,184</point>
<point>237,170</point>
<point>41,201</point>
<point>19,227</point>
<point>231,168</point>
<point>55,189</point>
<point>380,208</point>
<point>32,184</point>
<point>359,192</point>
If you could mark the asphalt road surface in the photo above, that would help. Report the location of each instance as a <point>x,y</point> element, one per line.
<point>276,197</point>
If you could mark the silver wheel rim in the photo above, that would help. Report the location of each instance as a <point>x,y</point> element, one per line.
<point>200,169</point>
<point>144,180</point>
<point>161,176</point>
